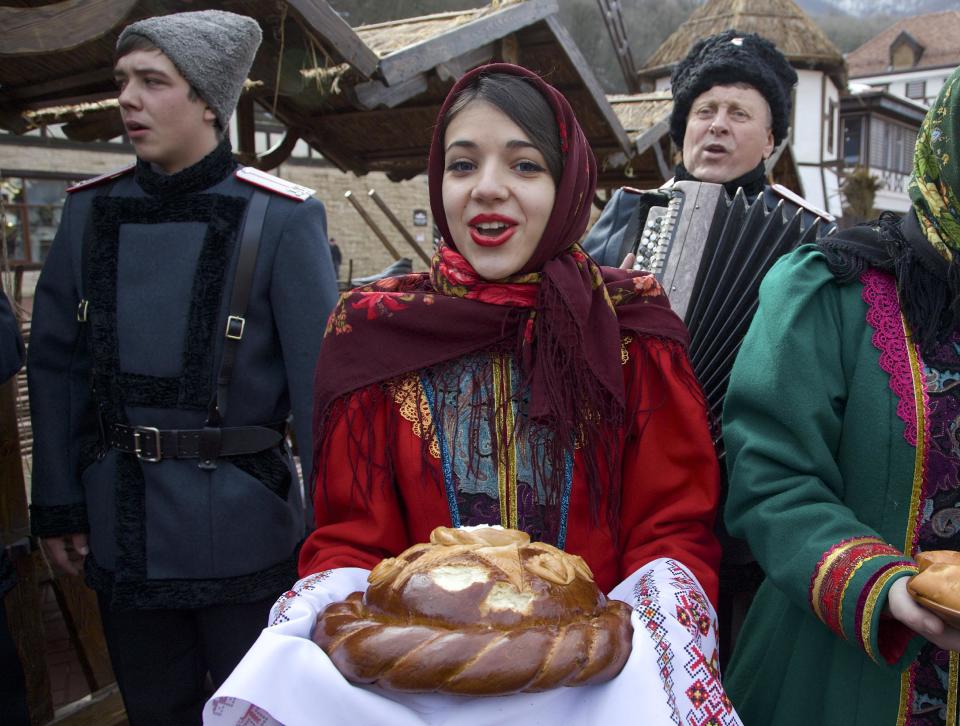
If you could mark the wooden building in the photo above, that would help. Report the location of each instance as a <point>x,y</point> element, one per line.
<point>329,106</point>
<point>912,58</point>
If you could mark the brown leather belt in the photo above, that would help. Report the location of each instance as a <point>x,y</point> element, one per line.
<point>153,444</point>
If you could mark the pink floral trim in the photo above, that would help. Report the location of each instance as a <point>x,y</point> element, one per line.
<point>883,315</point>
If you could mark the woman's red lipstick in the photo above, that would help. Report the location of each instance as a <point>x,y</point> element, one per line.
<point>487,240</point>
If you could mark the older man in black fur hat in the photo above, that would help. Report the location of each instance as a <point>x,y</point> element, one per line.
<point>731,109</point>
<point>176,326</point>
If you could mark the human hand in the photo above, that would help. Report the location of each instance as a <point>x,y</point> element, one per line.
<point>628,262</point>
<point>904,608</point>
<point>67,551</point>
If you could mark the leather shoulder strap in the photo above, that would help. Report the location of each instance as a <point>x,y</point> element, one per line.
<point>235,327</point>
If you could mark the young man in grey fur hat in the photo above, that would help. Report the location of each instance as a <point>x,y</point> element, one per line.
<point>163,366</point>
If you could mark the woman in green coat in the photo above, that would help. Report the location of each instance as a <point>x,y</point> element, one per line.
<point>842,429</point>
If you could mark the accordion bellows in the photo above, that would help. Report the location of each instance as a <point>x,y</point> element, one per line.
<point>710,253</point>
<point>478,611</point>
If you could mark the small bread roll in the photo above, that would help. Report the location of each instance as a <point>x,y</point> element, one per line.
<point>944,557</point>
<point>939,582</point>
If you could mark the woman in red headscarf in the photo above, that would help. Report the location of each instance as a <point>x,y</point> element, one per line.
<point>516,383</point>
<point>519,384</point>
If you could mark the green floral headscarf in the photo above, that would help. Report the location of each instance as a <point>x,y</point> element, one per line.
<point>936,171</point>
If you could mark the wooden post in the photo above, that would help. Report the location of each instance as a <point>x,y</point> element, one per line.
<point>77,602</point>
<point>372,225</point>
<point>23,603</point>
<point>400,228</point>
<point>246,130</point>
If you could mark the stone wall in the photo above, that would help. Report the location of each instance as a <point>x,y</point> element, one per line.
<point>356,240</point>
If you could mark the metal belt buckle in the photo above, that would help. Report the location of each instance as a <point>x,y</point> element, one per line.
<point>139,431</point>
<point>235,326</point>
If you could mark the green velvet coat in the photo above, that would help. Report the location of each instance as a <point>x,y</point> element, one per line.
<point>825,486</point>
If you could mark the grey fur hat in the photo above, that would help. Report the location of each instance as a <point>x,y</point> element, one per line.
<point>733,57</point>
<point>212,49</point>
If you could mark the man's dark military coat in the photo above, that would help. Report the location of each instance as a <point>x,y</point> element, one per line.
<point>158,275</point>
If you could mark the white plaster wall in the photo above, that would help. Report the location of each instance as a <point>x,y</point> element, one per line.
<point>892,201</point>
<point>834,201</point>
<point>806,119</point>
<point>898,81</point>
<point>830,154</point>
<point>813,186</point>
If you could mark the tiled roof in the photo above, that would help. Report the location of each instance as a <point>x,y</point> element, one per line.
<point>936,32</point>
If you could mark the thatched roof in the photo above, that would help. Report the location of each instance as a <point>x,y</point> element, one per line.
<point>645,116</point>
<point>936,33</point>
<point>780,21</point>
<point>388,37</point>
<point>638,112</point>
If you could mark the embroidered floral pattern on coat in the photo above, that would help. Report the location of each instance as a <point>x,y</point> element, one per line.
<point>932,678</point>
<point>488,483</point>
<point>939,522</point>
<point>883,315</point>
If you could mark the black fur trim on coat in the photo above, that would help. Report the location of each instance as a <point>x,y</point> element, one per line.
<point>210,170</point>
<point>192,390</point>
<point>55,520</point>
<point>189,593</point>
<point>269,467</point>
<point>115,389</point>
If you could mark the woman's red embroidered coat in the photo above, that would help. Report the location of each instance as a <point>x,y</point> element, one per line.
<point>669,479</point>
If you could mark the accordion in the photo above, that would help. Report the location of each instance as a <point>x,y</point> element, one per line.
<point>710,252</point>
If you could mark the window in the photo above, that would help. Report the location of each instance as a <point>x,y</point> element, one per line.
<point>30,215</point>
<point>917,89</point>
<point>852,140</point>
<point>891,146</point>
<point>270,132</point>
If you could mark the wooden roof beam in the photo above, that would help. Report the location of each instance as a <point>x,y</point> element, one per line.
<point>577,60</point>
<point>372,94</point>
<point>428,54</point>
<point>652,135</point>
<point>59,26</point>
<point>613,18</point>
<point>58,86</point>
<point>324,21</point>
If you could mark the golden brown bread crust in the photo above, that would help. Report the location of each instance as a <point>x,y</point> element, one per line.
<point>939,578</point>
<point>944,557</point>
<point>478,612</point>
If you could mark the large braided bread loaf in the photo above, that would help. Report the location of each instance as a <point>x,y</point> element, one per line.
<point>478,611</point>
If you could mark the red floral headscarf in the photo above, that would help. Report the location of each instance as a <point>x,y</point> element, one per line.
<point>561,314</point>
